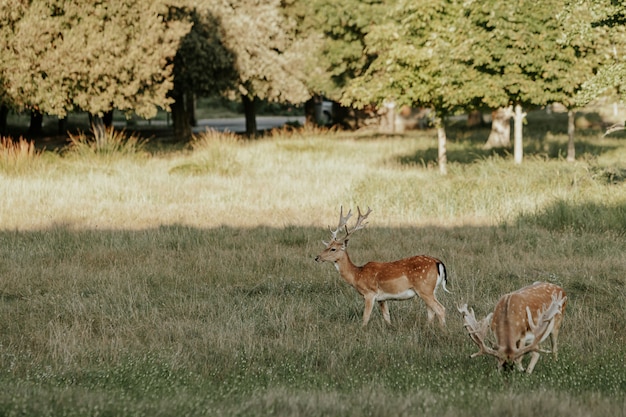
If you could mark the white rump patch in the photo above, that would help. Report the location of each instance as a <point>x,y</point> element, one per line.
<point>441,279</point>
<point>404,295</point>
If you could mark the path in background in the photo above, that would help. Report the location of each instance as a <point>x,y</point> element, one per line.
<point>238,124</point>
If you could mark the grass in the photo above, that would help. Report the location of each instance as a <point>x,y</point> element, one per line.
<point>106,143</point>
<point>182,281</point>
<point>18,156</point>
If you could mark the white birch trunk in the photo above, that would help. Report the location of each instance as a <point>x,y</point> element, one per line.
<point>518,149</point>
<point>571,149</point>
<point>443,157</point>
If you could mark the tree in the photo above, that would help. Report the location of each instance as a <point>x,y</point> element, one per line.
<point>420,61</point>
<point>242,49</point>
<point>523,57</point>
<point>11,11</point>
<point>268,55</point>
<point>605,23</point>
<point>203,65</point>
<point>588,45</point>
<point>343,54</point>
<point>62,56</point>
<point>334,33</point>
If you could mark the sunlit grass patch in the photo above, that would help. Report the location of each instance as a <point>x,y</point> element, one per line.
<point>214,152</point>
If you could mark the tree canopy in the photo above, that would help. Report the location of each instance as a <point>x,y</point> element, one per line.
<point>92,56</point>
<point>604,24</point>
<point>452,55</point>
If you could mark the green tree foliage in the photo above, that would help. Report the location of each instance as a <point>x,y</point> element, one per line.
<point>522,53</point>
<point>61,56</point>
<point>418,52</point>
<point>603,23</point>
<point>525,57</point>
<point>268,55</point>
<point>452,55</point>
<point>339,29</point>
<point>420,61</point>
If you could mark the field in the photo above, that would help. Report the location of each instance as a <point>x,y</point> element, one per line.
<point>158,280</point>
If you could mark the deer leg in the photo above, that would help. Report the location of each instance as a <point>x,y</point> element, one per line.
<point>431,314</point>
<point>553,342</point>
<point>554,336</point>
<point>434,307</point>
<point>384,308</point>
<point>534,357</point>
<point>367,312</point>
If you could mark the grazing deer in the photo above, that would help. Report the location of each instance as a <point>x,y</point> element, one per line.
<point>382,281</point>
<point>520,321</point>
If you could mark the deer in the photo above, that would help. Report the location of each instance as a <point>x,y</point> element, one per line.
<point>383,281</point>
<point>520,321</point>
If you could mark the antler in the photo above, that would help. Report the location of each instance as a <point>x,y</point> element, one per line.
<point>477,330</point>
<point>359,222</point>
<point>343,222</point>
<point>545,322</point>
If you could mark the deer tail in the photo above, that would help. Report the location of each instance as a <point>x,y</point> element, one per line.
<point>443,276</point>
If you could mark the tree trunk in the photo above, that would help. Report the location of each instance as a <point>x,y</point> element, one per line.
<point>500,135</point>
<point>62,125</point>
<point>180,118</point>
<point>475,119</point>
<point>191,108</point>
<point>4,114</point>
<point>36,123</point>
<point>107,119</point>
<point>388,122</point>
<point>309,111</point>
<point>518,149</point>
<point>249,110</point>
<point>441,142</point>
<point>571,149</point>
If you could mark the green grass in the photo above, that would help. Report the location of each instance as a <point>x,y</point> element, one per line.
<point>182,282</point>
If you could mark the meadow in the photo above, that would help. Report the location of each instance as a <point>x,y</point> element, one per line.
<point>150,279</point>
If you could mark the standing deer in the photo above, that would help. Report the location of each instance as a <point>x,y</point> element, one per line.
<point>382,281</point>
<point>520,321</point>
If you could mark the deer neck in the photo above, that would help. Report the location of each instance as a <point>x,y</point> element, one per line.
<point>348,271</point>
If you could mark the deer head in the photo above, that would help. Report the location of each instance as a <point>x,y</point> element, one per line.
<point>335,248</point>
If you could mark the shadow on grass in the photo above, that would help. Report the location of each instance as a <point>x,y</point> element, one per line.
<point>258,261</point>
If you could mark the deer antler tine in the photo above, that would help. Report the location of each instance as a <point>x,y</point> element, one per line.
<point>545,319</point>
<point>359,222</point>
<point>477,330</point>
<point>343,220</point>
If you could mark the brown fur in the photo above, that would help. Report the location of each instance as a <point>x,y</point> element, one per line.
<point>510,320</point>
<point>382,281</point>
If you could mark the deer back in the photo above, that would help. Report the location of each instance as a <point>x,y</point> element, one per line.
<point>420,273</point>
<point>510,318</point>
